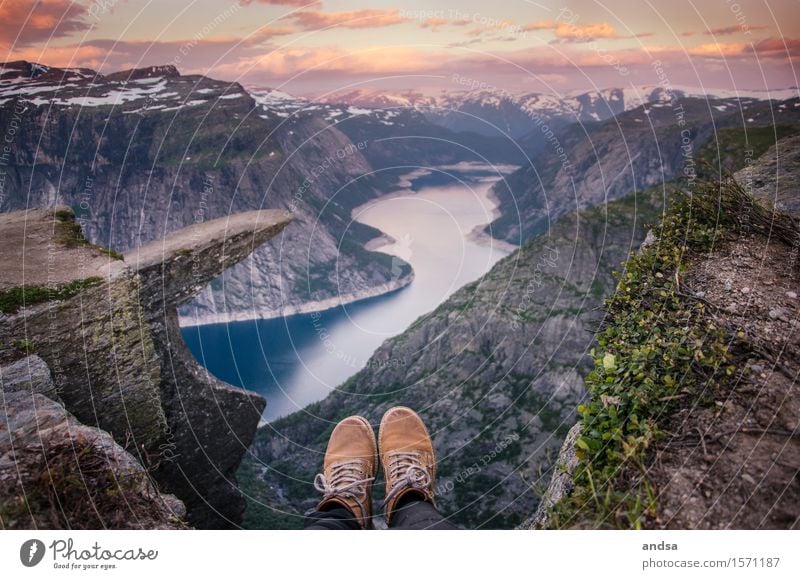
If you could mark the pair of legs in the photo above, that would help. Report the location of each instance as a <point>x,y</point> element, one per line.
<point>405,450</point>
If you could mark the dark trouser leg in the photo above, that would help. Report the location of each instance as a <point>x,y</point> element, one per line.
<point>414,514</point>
<point>337,518</point>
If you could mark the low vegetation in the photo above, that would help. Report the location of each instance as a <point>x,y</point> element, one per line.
<point>657,349</point>
<point>12,299</point>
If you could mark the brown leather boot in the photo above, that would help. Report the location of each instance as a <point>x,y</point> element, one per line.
<point>406,451</point>
<point>350,466</point>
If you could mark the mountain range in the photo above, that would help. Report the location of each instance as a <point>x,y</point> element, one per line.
<point>491,110</point>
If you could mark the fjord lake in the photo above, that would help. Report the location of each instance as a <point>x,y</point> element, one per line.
<point>296,360</point>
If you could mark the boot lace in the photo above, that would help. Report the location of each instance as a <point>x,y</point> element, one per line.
<point>406,469</point>
<point>347,481</point>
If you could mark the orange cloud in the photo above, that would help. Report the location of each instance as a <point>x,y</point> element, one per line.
<point>584,32</point>
<point>25,22</point>
<point>574,32</point>
<point>434,22</point>
<point>64,56</point>
<point>718,49</point>
<point>366,18</point>
<point>765,48</point>
<point>106,55</point>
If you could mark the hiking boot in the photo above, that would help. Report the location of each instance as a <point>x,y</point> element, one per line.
<point>406,451</point>
<point>350,466</point>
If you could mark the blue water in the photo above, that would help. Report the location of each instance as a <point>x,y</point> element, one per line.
<point>267,355</point>
<point>297,360</point>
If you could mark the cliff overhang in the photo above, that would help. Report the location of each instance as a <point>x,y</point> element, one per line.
<point>114,348</point>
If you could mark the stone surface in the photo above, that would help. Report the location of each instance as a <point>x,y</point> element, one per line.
<point>96,482</point>
<point>29,374</point>
<point>702,488</point>
<point>103,360</point>
<point>777,183</point>
<point>561,482</point>
<point>176,268</point>
<point>24,256</point>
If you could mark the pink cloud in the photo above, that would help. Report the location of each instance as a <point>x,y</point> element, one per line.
<point>366,18</point>
<point>267,32</point>
<point>718,49</point>
<point>288,62</point>
<point>26,22</point>
<point>107,55</point>
<point>777,47</point>
<point>298,3</point>
<point>728,30</point>
<point>64,56</point>
<point>498,26</point>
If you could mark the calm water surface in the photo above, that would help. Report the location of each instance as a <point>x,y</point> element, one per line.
<point>299,359</point>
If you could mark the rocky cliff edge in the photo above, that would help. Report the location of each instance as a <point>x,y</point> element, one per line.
<point>105,328</point>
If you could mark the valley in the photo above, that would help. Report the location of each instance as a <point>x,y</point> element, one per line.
<point>298,359</point>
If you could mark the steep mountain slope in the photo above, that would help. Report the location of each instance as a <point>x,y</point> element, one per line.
<point>495,371</point>
<point>775,176</point>
<point>144,152</point>
<point>140,153</point>
<point>584,165</point>
<point>694,415</point>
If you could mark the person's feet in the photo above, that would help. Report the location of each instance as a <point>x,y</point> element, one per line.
<point>406,451</point>
<point>349,469</point>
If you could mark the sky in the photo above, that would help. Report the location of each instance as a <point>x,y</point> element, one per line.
<point>311,47</point>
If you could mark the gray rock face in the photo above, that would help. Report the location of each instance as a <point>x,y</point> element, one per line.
<point>119,362</point>
<point>30,374</point>
<point>773,181</point>
<point>561,482</point>
<point>587,165</point>
<point>56,473</point>
<point>772,176</point>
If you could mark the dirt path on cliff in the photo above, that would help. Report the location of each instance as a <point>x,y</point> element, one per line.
<point>731,458</point>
